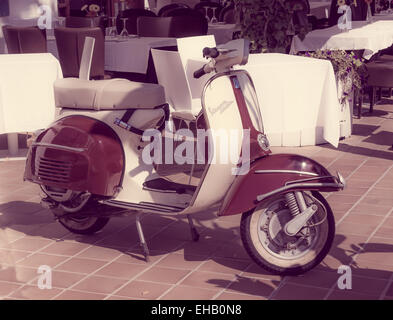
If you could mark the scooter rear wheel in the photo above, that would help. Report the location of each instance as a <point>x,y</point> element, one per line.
<point>83,225</point>
<point>267,244</point>
<point>82,222</point>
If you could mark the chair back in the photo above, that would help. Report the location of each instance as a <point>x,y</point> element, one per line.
<point>79,22</point>
<point>70,43</point>
<point>131,23</point>
<point>170,7</point>
<point>87,57</point>
<point>188,26</point>
<point>227,14</point>
<point>172,27</point>
<point>25,39</point>
<point>154,26</point>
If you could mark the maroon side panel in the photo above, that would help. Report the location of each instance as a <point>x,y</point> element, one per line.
<point>242,195</point>
<point>92,160</point>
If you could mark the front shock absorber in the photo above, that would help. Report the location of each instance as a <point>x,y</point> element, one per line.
<point>292,204</point>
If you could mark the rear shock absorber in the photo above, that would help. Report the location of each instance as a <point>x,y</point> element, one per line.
<point>292,204</point>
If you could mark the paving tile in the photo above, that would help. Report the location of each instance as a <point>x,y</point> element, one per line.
<point>100,253</point>
<point>61,279</point>
<point>223,265</point>
<point>79,295</point>
<point>238,296</point>
<point>315,278</point>
<point>367,286</point>
<point>255,271</point>
<point>349,228</point>
<point>187,293</point>
<point>209,280</point>
<point>260,287</point>
<point>121,270</point>
<point>370,209</point>
<point>10,257</point>
<point>64,248</point>
<point>364,219</point>
<point>80,265</point>
<point>163,275</point>
<point>35,293</point>
<point>136,256</point>
<point>372,270</point>
<point>7,287</point>
<point>297,292</point>
<point>100,284</point>
<point>350,295</point>
<point>385,232</point>
<point>39,259</point>
<point>17,274</point>
<point>28,244</point>
<point>180,261</point>
<point>143,289</point>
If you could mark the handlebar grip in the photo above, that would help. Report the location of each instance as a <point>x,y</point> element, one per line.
<point>199,73</point>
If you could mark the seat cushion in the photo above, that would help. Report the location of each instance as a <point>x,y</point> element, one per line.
<point>107,94</point>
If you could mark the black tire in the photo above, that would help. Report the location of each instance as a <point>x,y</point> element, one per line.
<point>93,224</point>
<point>250,237</point>
<point>83,222</point>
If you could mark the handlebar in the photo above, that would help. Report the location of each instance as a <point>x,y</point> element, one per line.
<point>199,73</point>
<point>207,53</point>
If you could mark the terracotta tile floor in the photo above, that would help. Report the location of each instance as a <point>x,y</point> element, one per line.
<point>109,265</point>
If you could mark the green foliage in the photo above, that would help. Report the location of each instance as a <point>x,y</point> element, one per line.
<point>268,24</point>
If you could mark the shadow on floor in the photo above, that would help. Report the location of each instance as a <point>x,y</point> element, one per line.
<point>31,219</point>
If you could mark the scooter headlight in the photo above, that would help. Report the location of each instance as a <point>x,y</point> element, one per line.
<point>263,142</point>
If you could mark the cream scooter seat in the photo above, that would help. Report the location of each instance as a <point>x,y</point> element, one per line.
<point>113,95</point>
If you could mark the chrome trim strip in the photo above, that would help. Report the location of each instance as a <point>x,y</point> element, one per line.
<point>299,185</point>
<point>57,146</point>
<point>288,171</point>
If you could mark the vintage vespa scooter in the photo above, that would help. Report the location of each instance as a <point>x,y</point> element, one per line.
<point>91,164</point>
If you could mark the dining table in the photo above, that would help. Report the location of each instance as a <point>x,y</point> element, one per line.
<point>132,54</point>
<point>298,99</point>
<point>27,100</point>
<point>370,37</point>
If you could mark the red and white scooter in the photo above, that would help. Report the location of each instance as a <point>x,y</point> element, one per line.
<point>91,164</point>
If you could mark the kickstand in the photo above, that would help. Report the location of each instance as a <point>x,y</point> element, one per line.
<point>194,232</point>
<point>142,238</point>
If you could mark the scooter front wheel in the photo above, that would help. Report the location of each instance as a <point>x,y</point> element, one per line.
<point>271,248</point>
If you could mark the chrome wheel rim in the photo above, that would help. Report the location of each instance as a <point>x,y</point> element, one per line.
<point>273,238</point>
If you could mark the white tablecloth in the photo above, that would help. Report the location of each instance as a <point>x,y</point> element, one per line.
<point>370,37</point>
<point>297,97</point>
<point>26,91</point>
<point>131,55</point>
<point>320,9</point>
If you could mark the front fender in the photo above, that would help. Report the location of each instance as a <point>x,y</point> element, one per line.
<point>277,174</point>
